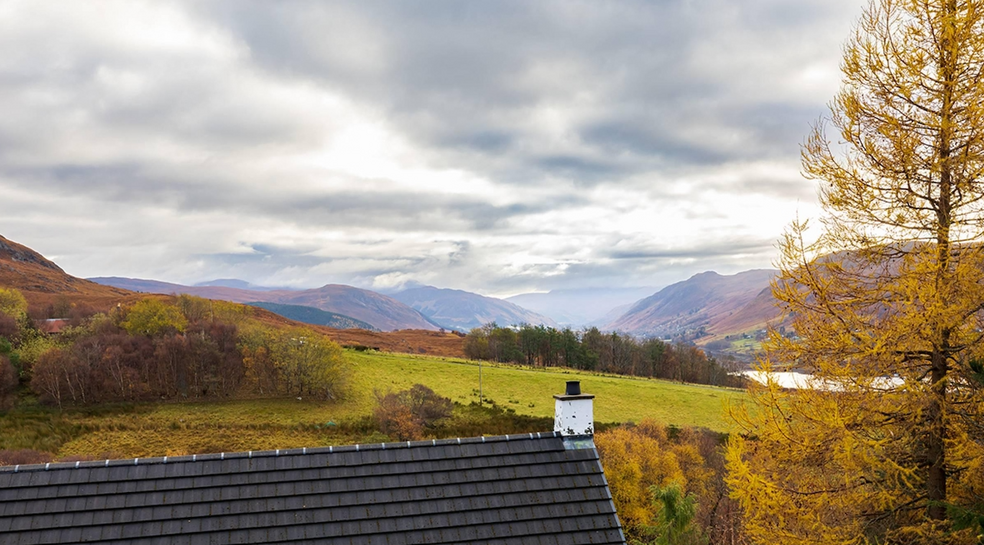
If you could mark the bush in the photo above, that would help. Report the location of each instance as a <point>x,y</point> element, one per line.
<point>408,413</point>
<point>24,456</point>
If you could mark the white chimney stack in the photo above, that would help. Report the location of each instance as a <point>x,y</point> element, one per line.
<point>574,413</point>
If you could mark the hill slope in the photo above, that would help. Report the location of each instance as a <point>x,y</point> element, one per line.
<point>706,306</point>
<point>42,282</point>
<point>378,310</point>
<point>462,310</point>
<point>314,316</point>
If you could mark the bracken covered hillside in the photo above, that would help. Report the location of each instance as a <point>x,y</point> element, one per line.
<point>43,283</point>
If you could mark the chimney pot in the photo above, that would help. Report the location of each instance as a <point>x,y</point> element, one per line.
<point>574,412</point>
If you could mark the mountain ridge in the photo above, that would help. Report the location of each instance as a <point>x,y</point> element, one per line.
<point>380,311</point>
<point>463,310</point>
<point>705,307</point>
<point>42,282</point>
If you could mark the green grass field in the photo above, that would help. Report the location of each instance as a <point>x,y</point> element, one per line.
<point>531,391</point>
<point>182,428</point>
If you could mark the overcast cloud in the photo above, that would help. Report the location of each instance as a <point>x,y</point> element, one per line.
<point>499,147</point>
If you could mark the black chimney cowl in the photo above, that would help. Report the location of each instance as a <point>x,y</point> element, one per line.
<point>573,388</point>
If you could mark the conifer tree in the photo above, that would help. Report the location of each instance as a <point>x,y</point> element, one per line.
<point>887,300</point>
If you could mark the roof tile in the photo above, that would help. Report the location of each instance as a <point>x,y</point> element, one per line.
<point>515,489</point>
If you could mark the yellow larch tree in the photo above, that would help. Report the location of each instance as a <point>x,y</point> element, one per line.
<point>886,300</point>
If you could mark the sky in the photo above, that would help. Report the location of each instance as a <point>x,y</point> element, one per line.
<point>499,147</point>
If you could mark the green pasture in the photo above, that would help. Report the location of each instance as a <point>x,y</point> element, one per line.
<point>154,429</point>
<point>531,391</point>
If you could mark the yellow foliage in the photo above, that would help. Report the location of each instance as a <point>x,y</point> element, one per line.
<point>640,457</point>
<point>153,317</point>
<point>295,360</point>
<point>12,303</point>
<point>886,302</point>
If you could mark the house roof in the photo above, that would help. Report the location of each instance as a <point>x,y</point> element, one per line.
<point>54,325</point>
<point>536,488</point>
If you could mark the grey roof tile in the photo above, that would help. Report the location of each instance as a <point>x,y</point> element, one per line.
<point>488,490</point>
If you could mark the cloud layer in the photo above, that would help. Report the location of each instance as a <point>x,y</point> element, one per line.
<point>498,147</point>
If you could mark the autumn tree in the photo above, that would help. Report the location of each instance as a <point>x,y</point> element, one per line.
<point>886,299</point>
<point>408,414</point>
<point>12,303</point>
<point>153,317</point>
<point>643,461</point>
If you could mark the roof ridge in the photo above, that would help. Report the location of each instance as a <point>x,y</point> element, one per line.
<point>303,451</point>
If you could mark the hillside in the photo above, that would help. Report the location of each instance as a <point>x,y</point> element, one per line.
<point>44,283</point>
<point>462,310</point>
<point>707,306</point>
<point>378,310</point>
<point>314,316</point>
<point>381,311</point>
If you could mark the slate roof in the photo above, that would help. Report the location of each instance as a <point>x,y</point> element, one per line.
<point>515,489</point>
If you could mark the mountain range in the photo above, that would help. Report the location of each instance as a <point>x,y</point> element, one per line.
<point>703,308</point>
<point>462,310</point>
<point>378,310</point>
<point>421,307</point>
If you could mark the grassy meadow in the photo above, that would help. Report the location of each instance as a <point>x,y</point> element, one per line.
<point>530,391</point>
<point>258,424</point>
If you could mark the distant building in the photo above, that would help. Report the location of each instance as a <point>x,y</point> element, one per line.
<point>53,326</point>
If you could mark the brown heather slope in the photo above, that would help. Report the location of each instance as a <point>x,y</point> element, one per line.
<point>43,283</point>
<point>756,315</point>
<point>404,341</point>
<point>707,306</point>
<point>377,309</point>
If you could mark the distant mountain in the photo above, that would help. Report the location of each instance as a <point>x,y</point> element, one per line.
<point>378,310</point>
<point>42,282</point>
<point>315,316</point>
<point>580,307</point>
<point>239,284</point>
<point>140,285</point>
<point>706,306</point>
<point>462,310</point>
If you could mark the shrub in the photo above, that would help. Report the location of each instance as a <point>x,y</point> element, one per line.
<point>24,456</point>
<point>408,413</point>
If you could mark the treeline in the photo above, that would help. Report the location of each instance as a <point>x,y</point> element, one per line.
<point>190,348</point>
<point>592,350</point>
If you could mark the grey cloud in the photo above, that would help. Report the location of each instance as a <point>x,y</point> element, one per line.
<point>456,75</point>
<point>715,250</point>
<point>190,190</point>
<point>571,98</point>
